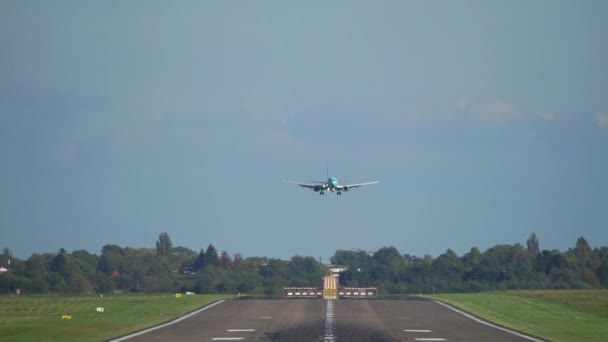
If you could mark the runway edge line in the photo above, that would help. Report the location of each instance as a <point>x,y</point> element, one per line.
<point>492,325</point>
<point>177,320</point>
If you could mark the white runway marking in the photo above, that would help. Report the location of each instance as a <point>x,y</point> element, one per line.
<point>167,324</point>
<point>226,339</point>
<point>329,321</point>
<point>240,330</point>
<point>488,323</point>
<point>264,317</point>
<point>417,330</point>
<point>430,339</point>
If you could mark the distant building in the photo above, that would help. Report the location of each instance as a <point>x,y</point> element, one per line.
<point>3,270</point>
<point>115,274</point>
<point>335,269</point>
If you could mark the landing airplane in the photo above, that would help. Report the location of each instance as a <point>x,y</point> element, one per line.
<point>330,185</point>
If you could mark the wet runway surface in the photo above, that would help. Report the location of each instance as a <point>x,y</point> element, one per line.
<point>318,320</point>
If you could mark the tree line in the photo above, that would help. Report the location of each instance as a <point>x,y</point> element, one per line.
<point>499,268</point>
<point>179,269</point>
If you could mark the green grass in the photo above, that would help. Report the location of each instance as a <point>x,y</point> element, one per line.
<point>568,315</point>
<point>38,318</point>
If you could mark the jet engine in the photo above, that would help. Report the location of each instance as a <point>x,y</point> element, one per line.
<point>345,188</point>
<point>317,188</point>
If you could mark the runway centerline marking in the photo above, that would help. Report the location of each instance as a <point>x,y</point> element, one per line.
<point>329,321</point>
<point>226,339</point>
<point>417,330</point>
<point>240,330</point>
<point>430,339</point>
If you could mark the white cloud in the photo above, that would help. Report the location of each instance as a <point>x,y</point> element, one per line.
<point>494,110</point>
<point>601,119</point>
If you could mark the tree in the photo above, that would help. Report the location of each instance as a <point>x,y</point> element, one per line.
<point>351,258</point>
<point>84,257</point>
<point>11,282</point>
<point>39,285</point>
<point>35,265</point>
<point>449,267</point>
<point>387,265</point>
<point>55,281</point>
<point>602,273</point>
<point>225,261</point>
<point>470,261</point>
<point>582,249</point>
<point>274,268</point>
<point>103,283</point>
<point>211,256</point>
<point>238,261</point>
<point>387,255</point>
<point>163,245</point>
<point>585,263</point>
<point>60,264</point>
<point>532,245</point>
<point>305,271</point>
<point>201,261</point>
<point>5,258</point>
<point>111,259</point>
<point>149,269</point>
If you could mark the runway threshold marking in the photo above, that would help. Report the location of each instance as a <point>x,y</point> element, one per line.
<point>417,330</point>
<point>488,323</point>
<point>168,323</point>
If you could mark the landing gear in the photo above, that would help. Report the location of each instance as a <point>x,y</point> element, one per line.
<point>339,193</point>
<point>321,193</point>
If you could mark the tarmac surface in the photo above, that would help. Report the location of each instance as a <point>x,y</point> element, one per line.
<point>310,320</point>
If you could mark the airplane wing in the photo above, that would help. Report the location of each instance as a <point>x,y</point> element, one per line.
<point>304,185</point>
<point>352,186</point>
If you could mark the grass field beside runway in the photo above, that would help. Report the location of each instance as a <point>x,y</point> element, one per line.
<point>558,315</point>
<point>38,318</point>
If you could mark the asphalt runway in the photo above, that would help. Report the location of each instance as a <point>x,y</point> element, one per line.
<point>312,320</point>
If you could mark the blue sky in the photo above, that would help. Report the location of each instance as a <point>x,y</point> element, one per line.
<point>484,121</point>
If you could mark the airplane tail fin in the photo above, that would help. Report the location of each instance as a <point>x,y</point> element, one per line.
<point>327,169</point>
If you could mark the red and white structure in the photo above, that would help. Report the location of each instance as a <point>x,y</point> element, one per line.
<point>301,292</point>
<point>330,287</point>
<point>358,292</point>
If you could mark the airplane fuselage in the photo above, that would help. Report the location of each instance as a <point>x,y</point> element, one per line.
<point>332,185</point>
